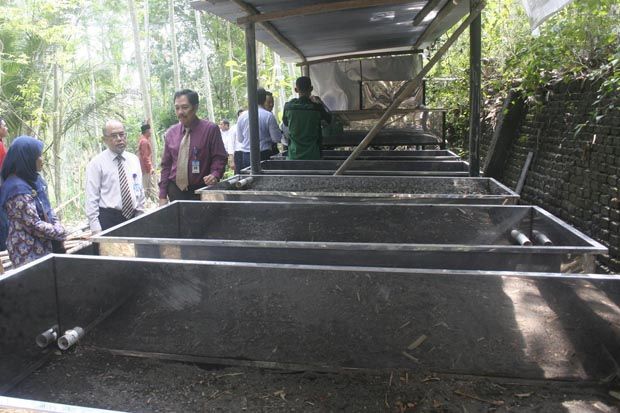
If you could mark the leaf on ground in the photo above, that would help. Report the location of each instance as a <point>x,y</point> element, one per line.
<point>280,393</point>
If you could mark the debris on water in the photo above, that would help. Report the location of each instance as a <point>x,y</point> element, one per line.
<point>410,357</point>
<point>418,342</point>
<point>480,399</point>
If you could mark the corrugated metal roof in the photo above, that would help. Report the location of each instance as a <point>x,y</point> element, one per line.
<point>357,30</point>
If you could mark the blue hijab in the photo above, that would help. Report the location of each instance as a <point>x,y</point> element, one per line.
<point>20,176</point>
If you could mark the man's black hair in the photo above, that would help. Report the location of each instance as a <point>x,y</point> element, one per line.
<point>239,112</point>
<point>303,84</point>
<point>145,127</point>
<point>191,96</point>
<point>225,122</point>
<point>261,95</point>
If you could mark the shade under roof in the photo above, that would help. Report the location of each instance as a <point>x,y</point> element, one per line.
<point>373,29</point>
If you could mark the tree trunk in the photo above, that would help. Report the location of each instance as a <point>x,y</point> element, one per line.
<point>282,98</point>
<point>205,65</point>
<point>292,72</point>
<point>231,71</point>
<point>56,135</point>
<point>94,143</point>
<point>2,50</point>
<point>147,46</point>
<point>260,59</point>
<point>39,122</point>
<point>146,97</point>
<point>175,52</point>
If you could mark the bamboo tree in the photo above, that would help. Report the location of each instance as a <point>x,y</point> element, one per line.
<point>146,97</point>
<point>175,52</point>
<point>91,78</point>
<point>231,58</point>
<point>57,133</point>
<point>260,58</point>
<point>291,71</point>
<point>280,82</point>
<point>205,65</point>
<point>147,46</point>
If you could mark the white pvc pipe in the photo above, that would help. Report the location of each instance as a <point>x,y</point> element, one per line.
<point>244,182</point>
<point>520,237</point>
<point>541,239</point>
<point>70,338</point>
<point>47,337</point>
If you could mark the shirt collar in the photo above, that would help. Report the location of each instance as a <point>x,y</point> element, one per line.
<point>113,155</point>
<point>192,126</point>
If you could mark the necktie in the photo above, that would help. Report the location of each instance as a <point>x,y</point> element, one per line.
<point>182,178</point>
<point>125,192</point>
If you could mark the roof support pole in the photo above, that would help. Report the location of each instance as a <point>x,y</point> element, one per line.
<point>305,70</point>
<point>411,87</point>
<point>252,82</point>
<point>475,51</point>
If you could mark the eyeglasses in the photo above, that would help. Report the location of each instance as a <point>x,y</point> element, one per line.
<point>117,135</point>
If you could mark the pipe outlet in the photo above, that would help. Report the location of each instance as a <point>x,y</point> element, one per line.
<point>70,338</point>
<point>541,239</point>
<point>47,337</point>
<point>244,182</point>
<point>520,238</point>
<point>233,181</point>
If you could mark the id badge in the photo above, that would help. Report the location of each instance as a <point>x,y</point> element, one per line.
<point>195,167</point>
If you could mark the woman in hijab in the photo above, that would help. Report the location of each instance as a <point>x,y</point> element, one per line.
<point>23,196</point>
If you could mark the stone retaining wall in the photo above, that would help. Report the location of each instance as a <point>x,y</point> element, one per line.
<point>575,170</point>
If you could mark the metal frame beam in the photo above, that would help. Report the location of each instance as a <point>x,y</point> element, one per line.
<point>430,6</point>
<point>410,88</point>
<point>252,83</point>
<point>317,9</point>
<point>443,13</point>
<point>359,56</point>
<point>475,52</point>
<point>251,10</point>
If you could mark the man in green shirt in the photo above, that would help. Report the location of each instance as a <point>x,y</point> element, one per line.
<point>303,117</point>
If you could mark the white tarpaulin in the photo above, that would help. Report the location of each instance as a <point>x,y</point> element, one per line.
<point>540,10</point>
<point>340,84</point>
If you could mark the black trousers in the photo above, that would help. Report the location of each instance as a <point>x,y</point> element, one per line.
<point>174,193</point>
<point>111,217</point>
<point>264,155</point>
<point>238,157</point>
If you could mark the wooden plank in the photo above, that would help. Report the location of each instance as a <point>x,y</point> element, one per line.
<point>506,131</point>
<point>526,166</point>
<point>317,9</point>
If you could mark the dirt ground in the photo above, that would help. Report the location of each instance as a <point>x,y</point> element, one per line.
<point>91,378</point>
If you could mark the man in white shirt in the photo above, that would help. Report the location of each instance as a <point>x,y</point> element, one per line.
<point>229,136</point>
<point>114,190</point>
<point>268,131</point>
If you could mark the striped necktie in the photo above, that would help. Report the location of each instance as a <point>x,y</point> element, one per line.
<point>125,192</point>
<point>182,178</point>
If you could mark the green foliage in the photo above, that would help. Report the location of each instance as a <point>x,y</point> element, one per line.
<point>90,45</point>
<point>580,41</point>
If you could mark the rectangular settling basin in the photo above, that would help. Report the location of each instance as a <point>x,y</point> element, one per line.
<point>402,189</point>
<point>383,235</point>
<point>309,318</point>
<point>364,167</point>
<point>380,155</point>
<point>385,137</point>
